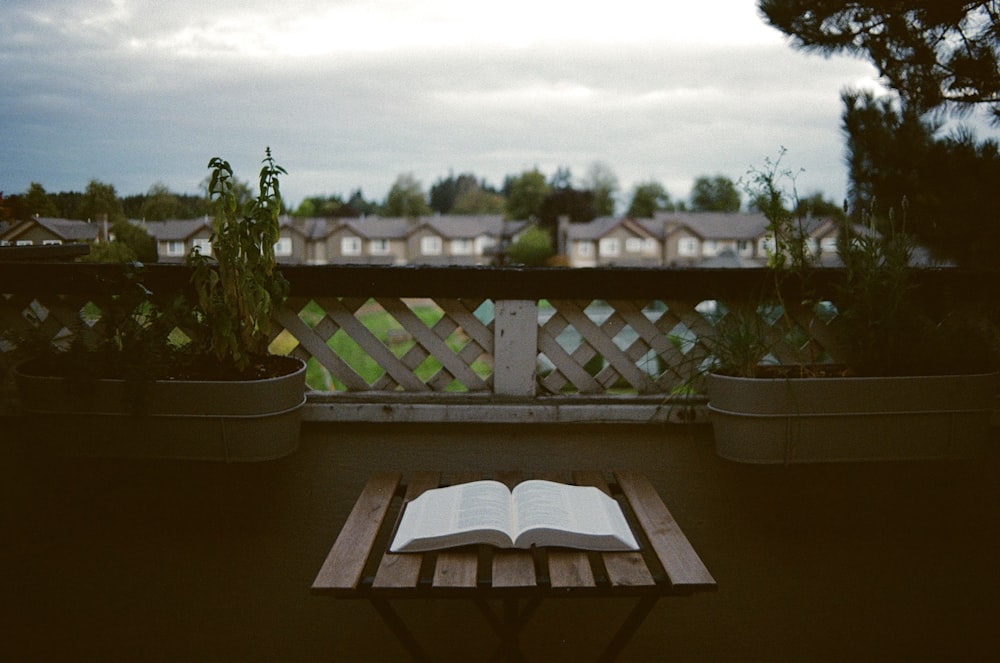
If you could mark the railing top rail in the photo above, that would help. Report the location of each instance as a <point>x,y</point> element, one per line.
<point>490,282</point>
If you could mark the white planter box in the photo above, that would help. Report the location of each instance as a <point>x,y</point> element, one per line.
<point>246,420</point>
<point>804,420</point>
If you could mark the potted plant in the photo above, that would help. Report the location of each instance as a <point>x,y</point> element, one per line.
<point>910,386</point>
<point>178,378</point>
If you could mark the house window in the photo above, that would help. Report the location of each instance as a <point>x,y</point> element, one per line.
<point>745,247</point>
<point>430,245</point>
<point>175,248</point>
<point>202,245</point>
<point>52,242</point>
<point>283,247</point>
<point>829,244</point>
<point>633,245</point>
<point>609,246</point>
<point>378,247</point>
<point>484,242</point>
<point>687,247</point>
<point>350,246</point>
<point>710,248</point>
<point>461,247</point>
<point>585,249</point>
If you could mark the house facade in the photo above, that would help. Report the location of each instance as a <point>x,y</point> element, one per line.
<point>685,239</point>
<point>44,231</point>
<point>669,239</point>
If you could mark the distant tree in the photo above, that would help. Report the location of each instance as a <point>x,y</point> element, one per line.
<point>443,193</point>
<point>359,206</point>
<point>532,248</point>
<point>525,194</point>
<point>715,194</point>
<point>465,194</point>
<point>576,204</point>
<point>69,203</point>
<point>37,202</point>
<point>817,206</point>
<point>161,203</point>
<point>6,216</point>
<point>328,207</point>
<point>562,178</point>
<point>128,243</point>
<point>406,198</point>
<point>603,183</point>
<point>101,200</point>
<point>477,199</point>
<point>647,198</point>
<point>936,54</point>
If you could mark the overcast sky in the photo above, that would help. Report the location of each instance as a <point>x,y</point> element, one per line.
<point>351,94</point>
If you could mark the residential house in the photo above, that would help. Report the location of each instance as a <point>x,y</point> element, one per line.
<point>44,231</point>
<point>455,240</point>
<point>669,239</point>
<point>176,238</point>
<point>427,240</point>
<point>365,240</point>
<point>607,241</point>
<point>690,238</point>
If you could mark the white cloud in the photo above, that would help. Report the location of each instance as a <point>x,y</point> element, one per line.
<point>357,92</point>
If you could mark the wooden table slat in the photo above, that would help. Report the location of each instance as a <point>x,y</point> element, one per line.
<point>458,568</point>
<point>513,568</point>
<point>346,560</point>
<point>570,569</point>
<point>403,570</point>
<point>679,559</point>
<point>625,569</point>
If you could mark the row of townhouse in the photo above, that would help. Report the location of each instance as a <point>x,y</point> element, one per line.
<point>685,239</point>
<point>669,239</point>
<point>435,240</point>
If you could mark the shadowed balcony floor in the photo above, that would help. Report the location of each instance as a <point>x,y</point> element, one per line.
<point>157,560</point>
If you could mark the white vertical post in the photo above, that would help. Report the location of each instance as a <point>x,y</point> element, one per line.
<point>515,348</point>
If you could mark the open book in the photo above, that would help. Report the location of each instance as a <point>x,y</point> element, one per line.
<point>541,513</point>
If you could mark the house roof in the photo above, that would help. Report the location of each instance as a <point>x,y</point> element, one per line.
<point>183,229</point>
<point>715,225</point>
<point>459,226</point>
<point>175,229</point>
<point>68,230</point>
<point>603,225</point>
<point>449,227</point>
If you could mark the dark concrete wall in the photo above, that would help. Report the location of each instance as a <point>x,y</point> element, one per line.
<point>156,560</point>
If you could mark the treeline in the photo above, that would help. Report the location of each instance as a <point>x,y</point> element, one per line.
<point>527,195</point>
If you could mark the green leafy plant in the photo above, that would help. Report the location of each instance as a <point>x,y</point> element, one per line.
<point>884,321</point>
<point>239,287</point>
<point>743,339</point>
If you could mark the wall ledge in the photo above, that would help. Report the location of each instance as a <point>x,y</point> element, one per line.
<point>385,407</point>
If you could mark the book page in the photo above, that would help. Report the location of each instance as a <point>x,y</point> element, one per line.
<point>549,513</point>
<point>465,513</point>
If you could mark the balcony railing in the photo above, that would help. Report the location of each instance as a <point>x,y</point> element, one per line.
<point>454,343</point>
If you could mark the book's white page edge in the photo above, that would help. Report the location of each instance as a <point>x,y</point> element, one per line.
<point>607,516</point>
<point>436,515</point>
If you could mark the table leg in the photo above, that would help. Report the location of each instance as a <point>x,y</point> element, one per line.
<point>515,617</point>
<point>628,627</point>
<point>398,628</point>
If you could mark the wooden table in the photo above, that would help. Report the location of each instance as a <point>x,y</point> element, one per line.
<point>359,566</point>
